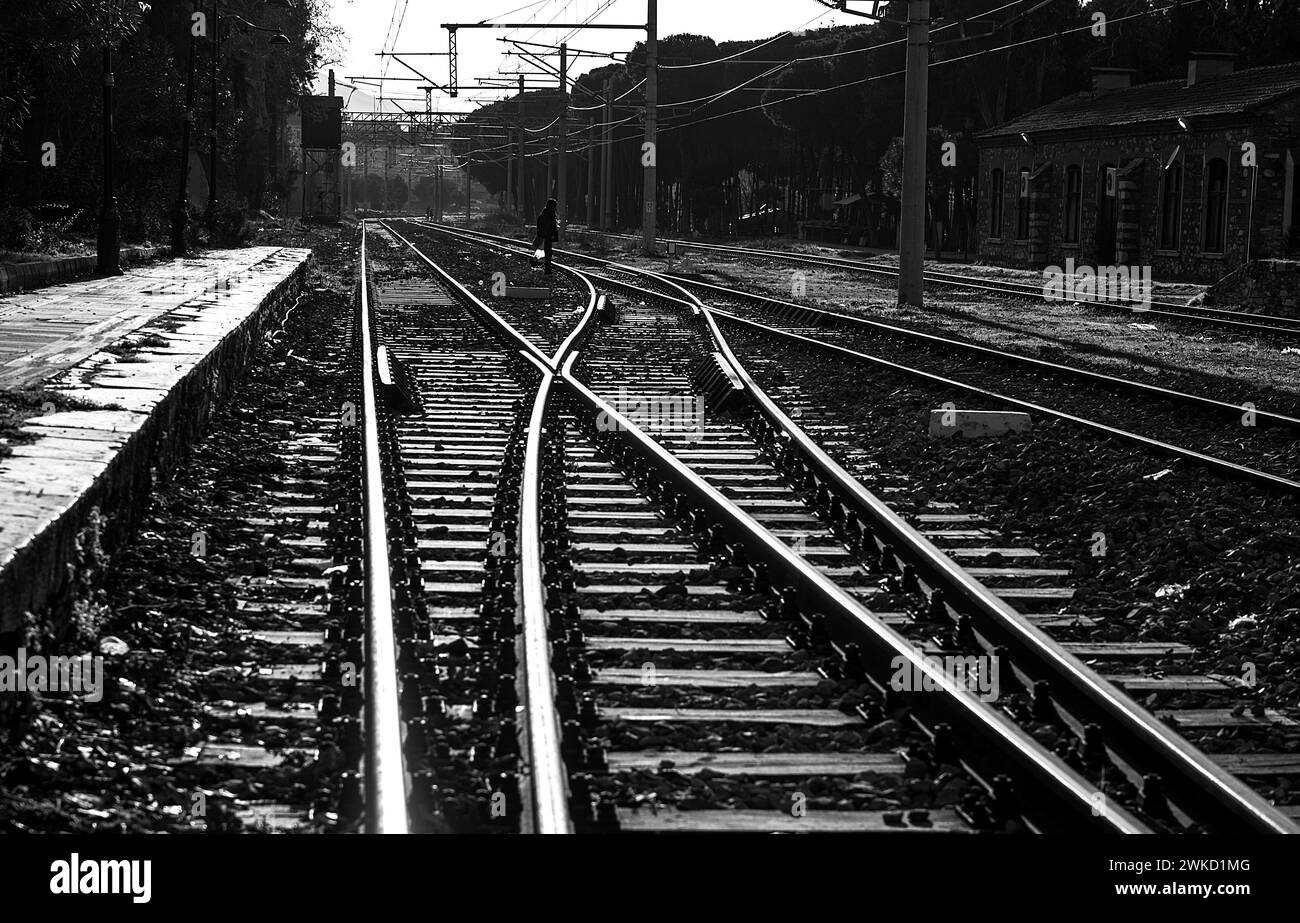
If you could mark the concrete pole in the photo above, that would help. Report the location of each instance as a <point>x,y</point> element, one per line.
<point>523,195</point>
<point>563,196</point>
<point>606,200</point>
<point>591,173</point>
<point>649,216</point>
<point>467,184</point>
<point>911,246</point>
<point>110,222</point>
<point>214,23</point>
<point>510,175</point>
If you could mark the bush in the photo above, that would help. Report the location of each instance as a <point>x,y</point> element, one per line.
<point>16,225</point>
<point>229,225</point>
<point>46,231</point>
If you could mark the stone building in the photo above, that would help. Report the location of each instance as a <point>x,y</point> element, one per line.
<point>1190,177</point>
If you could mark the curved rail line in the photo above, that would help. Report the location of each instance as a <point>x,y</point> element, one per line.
<point>996,745</point>
<point>1220,466</point>
<point>818,317</point>
<point>1241,321</point>
<point>1143,743</point>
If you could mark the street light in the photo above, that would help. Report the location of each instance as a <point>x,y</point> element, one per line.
<point>106,246</point>
<point>110,222</point>
<point>181,213</point>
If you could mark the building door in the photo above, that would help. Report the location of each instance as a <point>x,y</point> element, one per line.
<point>1107,214</point>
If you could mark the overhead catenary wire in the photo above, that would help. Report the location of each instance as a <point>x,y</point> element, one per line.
<point>471,155</point>
<point>898,73</point>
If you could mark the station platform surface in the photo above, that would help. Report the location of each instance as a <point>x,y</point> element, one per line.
<point>146,354</point>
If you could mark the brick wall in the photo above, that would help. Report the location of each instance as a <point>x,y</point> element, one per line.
<point>1141,160</point>
<point>1263,287</point>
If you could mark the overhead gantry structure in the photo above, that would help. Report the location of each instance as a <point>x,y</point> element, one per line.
<point>648,148</point>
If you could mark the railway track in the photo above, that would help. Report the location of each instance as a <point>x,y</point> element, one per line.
<point>666,320</point>
<point>1240,322</point>
<point>1210,439</point>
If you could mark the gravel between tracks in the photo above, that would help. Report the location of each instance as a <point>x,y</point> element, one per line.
<point>80,767</point>
<point>1188,558</point>
<point>1209,361</point>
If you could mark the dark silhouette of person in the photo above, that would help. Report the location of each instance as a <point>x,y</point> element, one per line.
<point>548,229</point>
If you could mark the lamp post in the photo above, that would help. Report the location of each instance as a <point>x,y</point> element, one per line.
<point>181,214</point>
<point>109,220</point>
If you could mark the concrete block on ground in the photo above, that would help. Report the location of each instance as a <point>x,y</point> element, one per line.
<point>975,424</point>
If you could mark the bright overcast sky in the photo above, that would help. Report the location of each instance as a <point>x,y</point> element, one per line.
<point>371,26</point>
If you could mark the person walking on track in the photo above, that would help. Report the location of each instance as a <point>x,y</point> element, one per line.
<point>548,229</point>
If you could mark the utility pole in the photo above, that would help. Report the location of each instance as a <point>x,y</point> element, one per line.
<point>648,150</point>
<point>606,203</point>
<point>564,140</point>
<point>214,23</point>
<point>523,198</point>
<point>911,246</point>
<point>550,165</point>
<point>109,220</point>
<point>510,174</point>
<point>181,215</point>
<point>388,156</point>
<point>467,182</point>
<point>591,173</point>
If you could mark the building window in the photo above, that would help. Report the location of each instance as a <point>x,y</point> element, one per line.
<point>1022,207</point>
<point>1171,207</point>
<point>995,204</point>
<point>1073,202</point>
<point>1216,205</point>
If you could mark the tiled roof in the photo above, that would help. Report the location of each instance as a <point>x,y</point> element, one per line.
<point>1166,99</point>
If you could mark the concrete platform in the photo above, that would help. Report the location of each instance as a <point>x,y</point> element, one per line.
<point>82,482</point>
<point>18,277</point>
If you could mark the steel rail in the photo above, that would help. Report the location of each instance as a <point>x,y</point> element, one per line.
<point>1049,781</point>
<point>1220,466</point>
<point>581,330</point>
<point>495,322</point>
<point>1221,316</point>
<point>546,797</point>
<point>1227,469</point>
<point>1134,734</point>
<point>837,318</point>
<point>986,740</point>
<point>513,245</point>
<point>385,775</point>
<point>545,793</point>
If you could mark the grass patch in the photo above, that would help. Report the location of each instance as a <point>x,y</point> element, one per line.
<point>19,405</point>
<point>127,348</point>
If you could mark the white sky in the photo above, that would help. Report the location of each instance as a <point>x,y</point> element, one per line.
<point>366,25</point>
